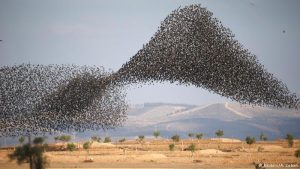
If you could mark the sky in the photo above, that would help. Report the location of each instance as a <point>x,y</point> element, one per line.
<point>109,32</point>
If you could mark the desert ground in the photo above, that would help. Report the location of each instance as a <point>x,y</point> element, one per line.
<point>155,153</point>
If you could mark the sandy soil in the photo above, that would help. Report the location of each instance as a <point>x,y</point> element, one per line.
<point>155,154</point>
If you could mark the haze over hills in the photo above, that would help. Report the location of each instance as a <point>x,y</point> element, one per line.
<point>237,121</point>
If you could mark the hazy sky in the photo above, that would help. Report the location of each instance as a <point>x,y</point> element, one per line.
<point>107,33</point>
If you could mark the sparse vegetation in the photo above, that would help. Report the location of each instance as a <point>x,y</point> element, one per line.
<point>107,140</point>
<point>191,135</point>
<point>87,146</point>
<point>141,138</point>
<point>250,140</point>
<point>199,136</point>
<point>171,147</point>
<point>176,138</point>
<point>297,153</point>
<point>96,139</point>
<point>156,134</point>
<point>122,140</point>
<point>63,138</point>
<point>290,139</point>
<point>263,137</point>
<point>71,146</point>
<point>219,133</point>
<point>260,149</point>
<point>34,154</point>
<point>21,140</point>
<point>191,148</point>
<point>38,140</point>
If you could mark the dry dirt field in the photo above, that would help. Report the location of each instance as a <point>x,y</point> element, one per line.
<point>226,153</point>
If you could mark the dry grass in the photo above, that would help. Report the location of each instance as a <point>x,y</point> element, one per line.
<point>155,154</point>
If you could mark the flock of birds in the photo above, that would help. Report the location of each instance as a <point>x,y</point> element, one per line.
<point>190,48</point>
<point>39,99</point>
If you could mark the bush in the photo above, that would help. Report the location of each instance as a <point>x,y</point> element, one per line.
<point>171,147</point>
<point>122,140</point>
<point>141,138</point>
<point>263,137</point>
<point>24,152</point>
<point>290,139</point>
<point>219,133</point>
<point>95,138</point>
<point>156,134</point>
<point>297,153</point>
<point>38,140</point>
<point>86,145</point>
<point>175,138</point>
<point>191,135</point>
<point>191,147</point>
<point>260,149</point>
<point>107,140</point>
<point>250,140</point>
<point>199,136</point>
<point>71,147</point>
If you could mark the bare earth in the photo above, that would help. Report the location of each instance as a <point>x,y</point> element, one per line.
<point>155,154</point>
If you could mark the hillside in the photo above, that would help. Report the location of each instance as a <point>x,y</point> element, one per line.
<point>237,121</point>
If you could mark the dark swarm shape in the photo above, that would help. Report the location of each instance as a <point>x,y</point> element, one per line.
<point>192,47</point>
<point>38,99</point>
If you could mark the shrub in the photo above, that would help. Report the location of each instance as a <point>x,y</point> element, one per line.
<point>107,140</point>
<point>290,139</point>
<point>191,147</point>
<point>38,140</point>
<point>219,133</point>
<point>297,153</point>
<point>175,138</point>
<point>71,147</point>
<point>263,137</point>
<point>122,140</point>
<point>96,138</point>
<point>141,138</point>
<point>250,140</point>
<point>191,135</point>
<point>24,152</point>
<point>199,136</point>
<point>156,134</point>
<point>21,140</point>
<point>171,147</point>
<point>260,149</point>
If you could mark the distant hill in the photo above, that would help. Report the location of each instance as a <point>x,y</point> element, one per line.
<point>236,120</point>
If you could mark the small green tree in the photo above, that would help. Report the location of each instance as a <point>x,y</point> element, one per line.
<point>175,138</point>
<point>86,146</point>
<point>71,146</point>
<point>96,138</point>
<point>24,152</point>
<point>263,137</point>
<point>141,138</point>
<point>38,140</point>
<point>171,147</point>
<point>156,134</point>
<point>191,135</point>
<point>297,153</point>
<point>199,136</point>
<point>250,140</point>
<point>290,139</point>
<point>65,138</point>
<point>219,133</point>
<point>107,140</point>
<point>56,138</point>
<point>122,140</point>
<point>191,148</point>
<point>21,140</point>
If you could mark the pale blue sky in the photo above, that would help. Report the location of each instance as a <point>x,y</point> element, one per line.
<point>108,33</point>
